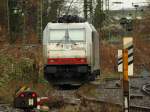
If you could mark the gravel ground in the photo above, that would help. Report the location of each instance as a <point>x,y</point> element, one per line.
<point>8,108</point>
<point>108,91</point>
<point>111,92</point>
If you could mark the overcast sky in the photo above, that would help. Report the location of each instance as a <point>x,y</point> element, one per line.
<point>126,3</point>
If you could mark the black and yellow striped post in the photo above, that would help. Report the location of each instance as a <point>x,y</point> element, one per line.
<point>120,61</point>
<point>127,44</point>
<point>127,71</point>
<point>126,96</point>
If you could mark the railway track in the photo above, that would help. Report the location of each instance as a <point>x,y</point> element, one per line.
<point>73,95</point>
<point>69,95</point>
<point>139,108</point>
<point>136,95</point>
<point>133,108</point>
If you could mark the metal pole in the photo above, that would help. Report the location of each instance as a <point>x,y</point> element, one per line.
<point>125,82</point>
<point>24,28</point>
<point>91,10</point>
<point>107,6</point>
<point>39,19</point>
<point>136,12</point>
<point>85,9</point>
<point>8,22</point>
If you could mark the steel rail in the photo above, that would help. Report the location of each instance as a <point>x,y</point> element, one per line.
<point>132,107</point>
<point>140,108</point>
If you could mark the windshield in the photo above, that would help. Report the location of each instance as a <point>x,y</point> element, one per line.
<point>71,34</point>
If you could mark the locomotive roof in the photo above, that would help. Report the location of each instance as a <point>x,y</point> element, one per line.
<point>68,25</point>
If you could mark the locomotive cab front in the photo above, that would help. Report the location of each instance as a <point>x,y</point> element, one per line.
<point>68,53</point>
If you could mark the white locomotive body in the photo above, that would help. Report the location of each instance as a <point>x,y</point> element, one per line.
<point>71,53</point>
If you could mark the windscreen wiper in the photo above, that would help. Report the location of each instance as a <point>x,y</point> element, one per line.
<point>66,39</point>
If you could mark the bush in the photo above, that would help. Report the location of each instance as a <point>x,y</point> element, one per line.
<point>11,69</point>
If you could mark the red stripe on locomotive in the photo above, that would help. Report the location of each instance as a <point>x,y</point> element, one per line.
<point>60,61</point>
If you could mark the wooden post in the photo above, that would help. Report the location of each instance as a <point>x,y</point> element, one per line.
<point>125,82</point>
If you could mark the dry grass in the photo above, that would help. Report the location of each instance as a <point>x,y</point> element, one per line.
<point>88,90</point>
<point>16,70</point>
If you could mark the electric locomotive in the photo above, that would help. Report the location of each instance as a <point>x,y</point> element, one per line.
<point>71,51</point>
